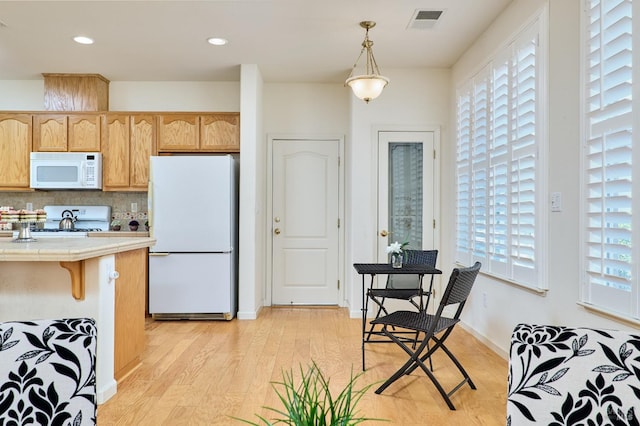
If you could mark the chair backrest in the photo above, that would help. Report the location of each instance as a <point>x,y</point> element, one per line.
<point>459,287</point>
<point>422,257</point>
<point>48,372</point>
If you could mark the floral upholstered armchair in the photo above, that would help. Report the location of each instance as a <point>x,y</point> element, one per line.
<point>573,376</point>
<point>48,372</point>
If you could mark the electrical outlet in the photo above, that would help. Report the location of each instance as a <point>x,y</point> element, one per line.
<point>134,207</point>
<point>556,201</point>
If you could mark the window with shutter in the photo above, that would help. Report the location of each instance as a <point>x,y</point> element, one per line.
<point>611,279</point>
<point>463,174</point>
<point>499,141</point>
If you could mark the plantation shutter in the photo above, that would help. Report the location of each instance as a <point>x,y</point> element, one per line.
<point>497,163</point>
<point>499,171</point>
<point>610,281</point>
<point>463,176</point>
<point>523,157</point>
<point>480,168</point>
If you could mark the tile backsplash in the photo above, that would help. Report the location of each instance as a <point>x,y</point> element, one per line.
<point>120,202</point>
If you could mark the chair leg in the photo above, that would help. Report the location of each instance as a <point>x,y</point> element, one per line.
<point>460,368</point>
<point>414,362</point>
<point>381,309</point>
<point>417,360</point>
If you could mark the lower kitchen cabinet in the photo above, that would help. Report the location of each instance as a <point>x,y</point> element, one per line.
<point>130,289</point>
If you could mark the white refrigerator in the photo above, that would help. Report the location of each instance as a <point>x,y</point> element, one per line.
<point>193,216</point>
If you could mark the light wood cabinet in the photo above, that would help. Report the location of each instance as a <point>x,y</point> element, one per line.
<point>130,296</point>
<point>115,152</point>
<point>15,146</point>
<point>84,133</point>
<point>178,132</point>
<point>143,146</point>
<point>63,132</point>
<point>216,132</point>
<point>50,132</point>
<point>128,143</point>
<point>75,92</point>
<point>220,132</point>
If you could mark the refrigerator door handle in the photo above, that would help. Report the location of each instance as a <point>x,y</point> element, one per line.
<point>158,254</point>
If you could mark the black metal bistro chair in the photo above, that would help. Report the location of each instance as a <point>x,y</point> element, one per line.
<point>436,328</point>
<point>404,287</point>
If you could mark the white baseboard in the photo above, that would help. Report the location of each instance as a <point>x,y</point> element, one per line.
<point>249,315</point>
<point>107,391</point>
<point>488,343</point>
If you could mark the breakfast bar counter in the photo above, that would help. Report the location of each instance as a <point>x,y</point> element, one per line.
<point>69,249</point>
<point>101,278</point>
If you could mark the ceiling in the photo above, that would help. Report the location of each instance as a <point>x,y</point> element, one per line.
<point>290,40</point>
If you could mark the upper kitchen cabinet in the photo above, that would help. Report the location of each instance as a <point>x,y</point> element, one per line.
<point>199,132</point>
<point>15,146</point>
<point>128,144</point>
<point>220,132</point>
<point>66,132</point>
<point>178,132</point>
<point>143,146</point>
<point>50,132</point>
<point>75,92</point>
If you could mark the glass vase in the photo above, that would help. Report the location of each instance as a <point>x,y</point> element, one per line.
<point>396,260</point>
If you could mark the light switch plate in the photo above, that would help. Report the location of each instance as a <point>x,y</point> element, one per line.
<point>556,201</point>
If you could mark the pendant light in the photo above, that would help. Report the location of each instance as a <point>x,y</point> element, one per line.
<point>369,85</point>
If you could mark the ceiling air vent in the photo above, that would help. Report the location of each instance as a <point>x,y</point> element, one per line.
<point>424,19</point>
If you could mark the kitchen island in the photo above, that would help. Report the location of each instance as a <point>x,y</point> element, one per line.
<point>76,277</point>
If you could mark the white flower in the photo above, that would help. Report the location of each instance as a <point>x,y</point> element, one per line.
<point>395,247</point>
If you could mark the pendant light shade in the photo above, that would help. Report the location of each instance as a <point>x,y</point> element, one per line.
<point>369,85</point>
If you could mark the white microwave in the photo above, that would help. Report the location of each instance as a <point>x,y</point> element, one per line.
<point>66,170</point>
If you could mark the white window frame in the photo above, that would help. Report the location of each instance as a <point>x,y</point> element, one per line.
<point>607,299</point>
<point>506,267</point>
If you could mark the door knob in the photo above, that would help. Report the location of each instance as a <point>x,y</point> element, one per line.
<point>276,231</point>
<point>384,233</point>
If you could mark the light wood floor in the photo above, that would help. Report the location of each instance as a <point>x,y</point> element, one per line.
<point>201,372</point>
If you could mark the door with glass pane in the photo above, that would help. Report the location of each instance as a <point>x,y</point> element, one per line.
<point>406,182</point>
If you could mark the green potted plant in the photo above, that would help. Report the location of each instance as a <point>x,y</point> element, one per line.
<point>116,224</point>
<point>310,401</point>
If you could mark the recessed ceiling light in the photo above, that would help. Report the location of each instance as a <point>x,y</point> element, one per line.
<point>83,40</point>
<point>217,41</point>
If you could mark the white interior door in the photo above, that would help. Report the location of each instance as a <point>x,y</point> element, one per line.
<point>305,222</point>
<point>406,190</point>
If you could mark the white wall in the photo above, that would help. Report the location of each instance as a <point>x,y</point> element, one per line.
<point>306,109</point>
<point>28,95</point>
<point>22,95</point>
<point>252,194</point>
<point>413,98</point>
<point>508,305</point>
<point>174,96</point>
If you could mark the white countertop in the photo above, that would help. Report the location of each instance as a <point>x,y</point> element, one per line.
<point>69,249</point>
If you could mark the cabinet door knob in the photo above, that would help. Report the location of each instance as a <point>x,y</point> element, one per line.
<point>384,233</point>
<point>276,231</point>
